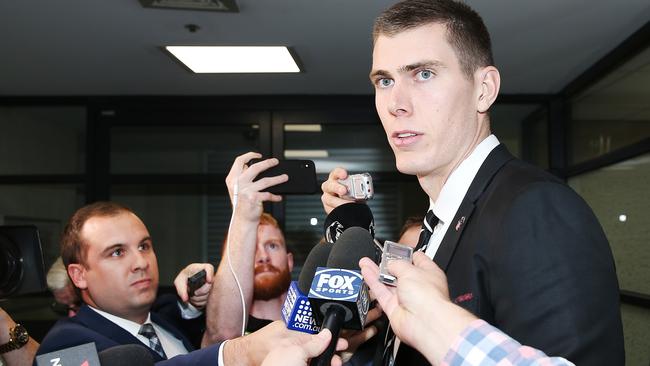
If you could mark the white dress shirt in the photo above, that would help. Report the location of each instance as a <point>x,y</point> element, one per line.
<point>454,190</point>
<point>451,196</point>
<point>170,344</point>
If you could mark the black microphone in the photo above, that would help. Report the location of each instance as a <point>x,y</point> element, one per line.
<point>338,295</point>
<point>296,310</point>
<point>126,355</point>
<point>346,216</point>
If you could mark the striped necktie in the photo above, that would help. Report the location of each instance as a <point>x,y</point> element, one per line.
<point>154,342</point>
<point>430,221</point>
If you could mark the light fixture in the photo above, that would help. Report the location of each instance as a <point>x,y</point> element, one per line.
<point>235,59</point>
<point>313,221</point>
<point>305,154</point>
<point>622,217</point>
<point>213,5</point>
<point>314,127</point>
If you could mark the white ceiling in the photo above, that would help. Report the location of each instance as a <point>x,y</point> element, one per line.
<point>112,47</point>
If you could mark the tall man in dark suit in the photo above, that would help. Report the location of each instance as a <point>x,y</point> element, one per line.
<point>521,250</point>
<point>109,255</point>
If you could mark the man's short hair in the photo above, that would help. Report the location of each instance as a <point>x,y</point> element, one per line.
<point>73,248</point>
<point>267,219</point>
<point>411,221</point>
<point>466,32</point>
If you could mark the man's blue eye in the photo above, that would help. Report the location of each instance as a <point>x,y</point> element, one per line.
<point>383,83</point>
<point>425,74</point>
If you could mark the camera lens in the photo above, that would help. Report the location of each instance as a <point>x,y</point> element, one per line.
<point>10,267</point>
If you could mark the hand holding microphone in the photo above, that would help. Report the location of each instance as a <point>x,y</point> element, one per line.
<point>419,308</point>
<point>338,295</point>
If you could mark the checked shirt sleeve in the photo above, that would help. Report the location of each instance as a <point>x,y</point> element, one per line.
<point>481,344</point>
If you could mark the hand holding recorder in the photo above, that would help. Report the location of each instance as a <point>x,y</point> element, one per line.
<point>419,308</point>
<point>341,188</point>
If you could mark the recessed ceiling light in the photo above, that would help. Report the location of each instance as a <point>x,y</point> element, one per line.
<point>303,128</point>
<point>305,154</point>
<point>235,59</point>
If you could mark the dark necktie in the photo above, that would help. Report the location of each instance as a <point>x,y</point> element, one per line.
<point>154,342</point>
<point>430,221</point>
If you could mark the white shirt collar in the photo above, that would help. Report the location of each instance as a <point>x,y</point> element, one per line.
<point>128,325</point>
<point>454,190</point>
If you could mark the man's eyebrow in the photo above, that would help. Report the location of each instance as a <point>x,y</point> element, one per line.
<point>378,73</point>
<point>433,64</point>
<point>112,248</point>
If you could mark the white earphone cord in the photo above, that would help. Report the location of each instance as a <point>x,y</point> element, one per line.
<point>232,270</point>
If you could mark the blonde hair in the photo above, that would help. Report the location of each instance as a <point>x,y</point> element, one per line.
<point>57,277</point>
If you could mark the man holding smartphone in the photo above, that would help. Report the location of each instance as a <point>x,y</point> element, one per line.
<point>225,313</point>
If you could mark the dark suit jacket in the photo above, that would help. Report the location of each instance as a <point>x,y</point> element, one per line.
<point>526,253</point>
<point>88,326</point>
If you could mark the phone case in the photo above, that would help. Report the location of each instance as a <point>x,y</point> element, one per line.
<point>302,176</point>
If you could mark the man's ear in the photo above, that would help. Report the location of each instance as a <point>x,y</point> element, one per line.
<point>290,261</point>
<point>489,82</point>
<point>77,273</point>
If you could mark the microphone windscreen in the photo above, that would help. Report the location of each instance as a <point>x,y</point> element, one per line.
<point>346,216</point>
<point>126,355</point>
<point>354,244</point>
<point>317,258</point>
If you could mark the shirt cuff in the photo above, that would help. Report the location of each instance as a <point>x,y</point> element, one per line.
<point>220,359</point>
<point>188,311</point>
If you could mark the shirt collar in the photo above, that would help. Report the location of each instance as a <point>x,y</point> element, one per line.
<point>454,190</point>
<point>128,325</point>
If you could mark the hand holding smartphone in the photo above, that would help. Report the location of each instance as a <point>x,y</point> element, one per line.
<point>195,282</point>
<point>302,176</point>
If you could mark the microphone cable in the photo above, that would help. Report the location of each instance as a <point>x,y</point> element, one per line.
<point>232,270</point>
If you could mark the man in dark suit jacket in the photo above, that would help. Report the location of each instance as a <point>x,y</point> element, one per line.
<point>89,326</point>
<point>109,256</point>
<point>521,249</point>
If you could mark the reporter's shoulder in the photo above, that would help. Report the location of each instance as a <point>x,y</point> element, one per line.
<point>63,334</point>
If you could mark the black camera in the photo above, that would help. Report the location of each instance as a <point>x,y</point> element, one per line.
<point>21,261</point>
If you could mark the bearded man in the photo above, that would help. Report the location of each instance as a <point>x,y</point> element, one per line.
<point>273,265</point>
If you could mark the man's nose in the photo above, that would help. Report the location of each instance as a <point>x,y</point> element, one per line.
<point>261,256</point>
<point>400,100</point>
<point>141,261</point>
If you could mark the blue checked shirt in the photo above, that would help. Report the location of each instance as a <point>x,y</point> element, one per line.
<point>481,344</point>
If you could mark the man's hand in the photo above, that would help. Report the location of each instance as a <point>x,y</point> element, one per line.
<point>6,322</point>
<point>253,348</point>
<point>249,196</point>
<point>333,190</point>
<point>419,308</point>
<point>200,298</point>
<point>300,354</point>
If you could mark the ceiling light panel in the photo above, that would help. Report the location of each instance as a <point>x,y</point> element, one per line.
<point>235,59</point>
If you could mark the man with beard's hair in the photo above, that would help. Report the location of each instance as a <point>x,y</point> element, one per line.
<point>273,265</point>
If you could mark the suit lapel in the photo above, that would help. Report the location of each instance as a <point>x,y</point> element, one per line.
<point>173,330</point>
<point>494,161</point>
<point>93,320</point>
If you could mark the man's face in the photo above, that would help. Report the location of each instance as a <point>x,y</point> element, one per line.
<point>427,105</point>
<point>120,275</point>
<point>273,264</point>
